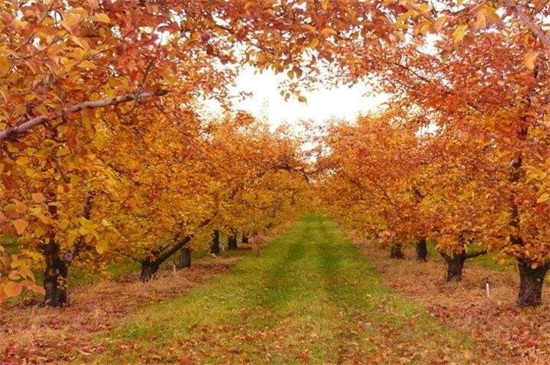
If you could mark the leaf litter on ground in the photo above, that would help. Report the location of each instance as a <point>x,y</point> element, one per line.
<point>519,336</point>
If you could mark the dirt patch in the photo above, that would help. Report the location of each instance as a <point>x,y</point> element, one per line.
<point>521,335</point>
<point>33,335</point>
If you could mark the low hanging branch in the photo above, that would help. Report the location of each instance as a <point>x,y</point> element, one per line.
<point>15,132</point>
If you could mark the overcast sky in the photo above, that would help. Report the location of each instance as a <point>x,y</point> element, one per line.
<point>323,104</point>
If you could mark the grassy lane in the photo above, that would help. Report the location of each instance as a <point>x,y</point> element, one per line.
<point>310,297</point>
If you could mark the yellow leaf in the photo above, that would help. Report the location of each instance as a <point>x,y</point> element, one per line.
<point>543,198</point>
<point>4,66</point>
<point>102,18</point>
<point>87,65</point>
<point>20,225</point>
<point>12,289</point>
<point>22,161</point>
<point>63,224</point>
<point>529,59</point>
<point>70,20</point>
<point>71,237</point>
<point>101,246</point>
<point>459,33</point>
<point>490,14</point>
<point>328,31</point>
<point>39,232</point>
<point>423,27</point>
<point>41,216</point>
<point>26,272</point>
<point>314,43</point>
<point>38,197</point>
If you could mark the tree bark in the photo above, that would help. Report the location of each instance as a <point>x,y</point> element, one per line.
<point>232,242</point>
<point>185,258</point>
<point>397,251</point>
<point>55,276</point>
<point>421,249</point>
<point>148,270</point>
<point>215,246</point>
<point>57,264</point>
<point>530,284</point>
<point>455,265</point>
<point>150,266</point>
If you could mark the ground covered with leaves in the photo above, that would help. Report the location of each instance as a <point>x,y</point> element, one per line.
<point>34,335</point>
<point>520,336</point>
<point>310,297</point>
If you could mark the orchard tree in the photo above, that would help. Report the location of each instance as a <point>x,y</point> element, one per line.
<point>372,169</point>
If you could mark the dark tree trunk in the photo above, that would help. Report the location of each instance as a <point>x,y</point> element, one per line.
<point>57,264</point>
<point>530,284</point>
<point>397,251</point>
<point>245,238</point>
<point>421,249</point>
<point>232,242</point>
<point>150,266</point>
<point>55,276</point>
<point>215,247</point>
<point>148,270</point>
<point>185,258</point>
<point>455,265</point>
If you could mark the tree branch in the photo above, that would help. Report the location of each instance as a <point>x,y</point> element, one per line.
<point>471,255</point>
<point>537,31</point>
<point>15,132</point>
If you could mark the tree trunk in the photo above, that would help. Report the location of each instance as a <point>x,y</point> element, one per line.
<point>530,284</point>
<point>55,277</point>
<point>215,247</point>
<point>148,270</point>
<point>232,241</point>
<point>397,251</point>
<point>150,266</point>
<point>245,238</point>
<point>455,265</point>
<point>421,249</point>
<point>185,258</point>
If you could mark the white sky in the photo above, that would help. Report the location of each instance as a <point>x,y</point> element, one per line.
<point>323,104</point>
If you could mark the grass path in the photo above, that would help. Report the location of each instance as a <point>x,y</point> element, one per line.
<point>309,298</point>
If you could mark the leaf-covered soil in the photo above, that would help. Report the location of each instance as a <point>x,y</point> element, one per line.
<point>34,335</point>
<point>521,336</point>
<point>311,297</point>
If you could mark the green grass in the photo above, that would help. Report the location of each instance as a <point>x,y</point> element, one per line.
<point>309,298</point>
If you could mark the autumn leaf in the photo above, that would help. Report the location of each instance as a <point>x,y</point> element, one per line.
<point>101,246</point>
<point>459,33</point>
<point>38,197</point>
<point>102,18</point>
<point>328,31</point>
<point>543,198</point>
<point>20,225</point>
<point>529,59</point>
<point>12,289</point>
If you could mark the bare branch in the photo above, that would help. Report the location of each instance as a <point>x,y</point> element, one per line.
<point>15,132</point>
